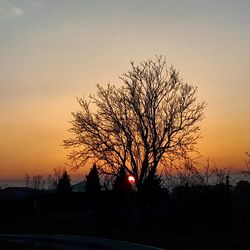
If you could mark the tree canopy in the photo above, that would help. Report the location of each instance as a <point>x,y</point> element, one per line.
<point>149,119</point>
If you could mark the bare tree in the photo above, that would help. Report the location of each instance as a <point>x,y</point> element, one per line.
<point>182,173</point>
<point>246,171</point>
<point>150,119</point>
<point>37,181</point>
<point>58,172</point>
<point>27,180</point>
<point>50,182</point>
<point>222,174</point>
<point>208,173</point>
<point>248,162</point>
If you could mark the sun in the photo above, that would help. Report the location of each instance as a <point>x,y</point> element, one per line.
<point>131,179</point>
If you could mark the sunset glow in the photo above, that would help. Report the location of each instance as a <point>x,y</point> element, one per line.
<point>131,179</point>
<point>54,51</point>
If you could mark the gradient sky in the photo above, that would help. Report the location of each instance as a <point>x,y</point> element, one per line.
<point>52,51</point>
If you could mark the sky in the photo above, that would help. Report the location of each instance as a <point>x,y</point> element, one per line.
<point>52,51</point>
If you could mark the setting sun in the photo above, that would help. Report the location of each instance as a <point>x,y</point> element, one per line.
<point>131,179</point>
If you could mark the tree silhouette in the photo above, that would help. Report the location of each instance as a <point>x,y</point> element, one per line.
<point>151,119</point>
<point>93,181</point>
<point>27,180</point>
<point>153,184</point>
<point>248,163</point>
<point>242,187</point>
<point>37,182</point>
<point>64,185</point>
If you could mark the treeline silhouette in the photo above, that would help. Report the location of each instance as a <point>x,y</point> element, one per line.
<point>120,210</point>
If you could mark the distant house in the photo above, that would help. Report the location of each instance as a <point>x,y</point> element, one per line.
<point>79,187</point>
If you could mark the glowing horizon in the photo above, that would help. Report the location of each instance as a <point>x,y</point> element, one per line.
<point>53,51</point>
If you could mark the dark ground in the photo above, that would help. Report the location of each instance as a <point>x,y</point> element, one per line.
<point>201,218</point>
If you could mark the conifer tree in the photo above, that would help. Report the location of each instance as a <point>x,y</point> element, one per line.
<point>93,181</point>
<point>64,185</point>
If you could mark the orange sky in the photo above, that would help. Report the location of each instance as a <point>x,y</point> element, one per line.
<point>54,51</point>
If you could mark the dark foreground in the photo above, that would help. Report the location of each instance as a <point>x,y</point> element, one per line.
<point>201,218</point>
